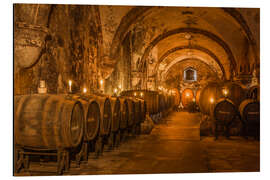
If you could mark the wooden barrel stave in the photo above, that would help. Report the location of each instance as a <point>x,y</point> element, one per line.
<point>116,114</point>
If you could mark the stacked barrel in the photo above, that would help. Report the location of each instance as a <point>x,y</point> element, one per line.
<point>227,104</point>
<point>72,127</point>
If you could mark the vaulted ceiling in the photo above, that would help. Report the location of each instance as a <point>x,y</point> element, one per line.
<point>221,38</point>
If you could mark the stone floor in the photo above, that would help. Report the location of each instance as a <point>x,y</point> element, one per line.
<point>175,146</point>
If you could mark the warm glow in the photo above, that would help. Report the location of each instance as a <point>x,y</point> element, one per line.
<point>135,94</point>
<point>187,94</point>
<point>211,100</point>
<point>115,90</point>
<point>101,81</point>
<point>141,94</point>
<point>70,83</point>
<point>84,90</point>
<point>120,87</point>
<point>225,92</point>
<point>193,99</point>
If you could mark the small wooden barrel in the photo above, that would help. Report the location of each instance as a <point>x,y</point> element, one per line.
<point>131,110</point>
<point>161,101</point>
<point>91,115</point>
<point>116,111</point>
<point>197,97</point>
<point>250,110</point>
<point>124,113</point>
<point>47,122</point>
<point>224,111</point>
<point>187,97</point>
<point>138,110</point>
<point>177,97</point>
<point>254,93</point>
<point>106,114</point>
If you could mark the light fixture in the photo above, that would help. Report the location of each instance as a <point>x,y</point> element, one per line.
<point>115,90</point>
<point>84,90</point>
<point>135,94</point>
<point>187,94</point>
<point>141,94</point>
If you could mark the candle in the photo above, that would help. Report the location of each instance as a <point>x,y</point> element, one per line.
<point>70,83</point>
<point>84,90</point>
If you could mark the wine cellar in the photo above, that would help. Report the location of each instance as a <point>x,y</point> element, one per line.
<point>135,89</point>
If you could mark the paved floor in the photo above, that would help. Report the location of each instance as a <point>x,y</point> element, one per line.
<point>174,146</point>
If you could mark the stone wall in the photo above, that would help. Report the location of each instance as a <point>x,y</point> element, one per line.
<point>71,50</point>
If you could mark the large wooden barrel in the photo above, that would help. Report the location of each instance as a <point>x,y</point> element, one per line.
<point>254,93</point>
<point>47,122</point>
<point>116,114</point>
<point>106,114</point>
<point>124,113</point>
<point>234,92</point>
<point>187,97</point>
<point>250,111</point>
<point>224,111</point>
<point>91,115</point>
<point>208,96</point>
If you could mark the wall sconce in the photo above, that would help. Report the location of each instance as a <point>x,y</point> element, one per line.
<point>135,94</point>
<point>141,94</point>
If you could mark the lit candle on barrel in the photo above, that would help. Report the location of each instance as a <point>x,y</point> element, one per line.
<point>135,94</point>
<point>84,90</point>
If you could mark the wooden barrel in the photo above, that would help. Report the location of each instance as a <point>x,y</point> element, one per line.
<point>208,96</point>
<point>131,110</point>
<point>47,122</point>
<point>138,112</point>
<point>116,114</point>
<point>234,92</point>
<point>144,110</point>
<point>124,113</point>
<point>224,111</point>
<point>176,97</point>
<point>91,115</point>
<point>197,97</point>
<point>254,93</point>
<point>250,111</point>
<point>161,101</point>
<point>106,114</point>
<point>187,97</point>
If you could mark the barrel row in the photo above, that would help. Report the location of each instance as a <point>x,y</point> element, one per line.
<point>73,121</point>
<point>228,102</point>
<point>155,101</point>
